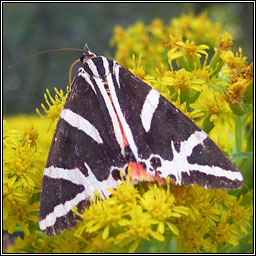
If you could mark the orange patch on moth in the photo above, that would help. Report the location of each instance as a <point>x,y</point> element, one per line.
<point>138,173</point>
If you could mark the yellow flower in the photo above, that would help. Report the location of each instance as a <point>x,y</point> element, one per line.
<point>241,214</point>
<point>183,80</point>
<point>222,53</point>
<point>240,89</point>
<point>29,241</point>
<point>175,37</point>
<point>55,105</point>
<point>225,41</point>
<point>22,168</point>
<point>212,104</point>
<point>190,52</point>
<point>19,163</point>
<point>12,195</point>
<point>218,196</point>
<point>192,238</point>
<point>99,245</point>
<point>234,93</point>
<point>160,204</point>
<point>245,72</point>
<point>138,70</point>
<point>21,215</point>
<point>137,228</point>
<point>67,243</point>
<point>225,232</point>
<point>117,35</point>
<point>191,27</point>
<point>233,61</point>
<point>103,216</point>
<point>223,134</point>
<point>32,134</point>
<point>21,159</point>
<point>156,27</point>
<point>29,124</point>
<point>204,74</point>
<point>187,49</point>
<point>183,107</point>
<point>125,194</point>
<point>194,198</point>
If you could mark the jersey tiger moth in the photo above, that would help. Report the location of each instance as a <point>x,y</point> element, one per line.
<point>111,120</point>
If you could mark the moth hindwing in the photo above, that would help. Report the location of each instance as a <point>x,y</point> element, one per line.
<point>111,120</point>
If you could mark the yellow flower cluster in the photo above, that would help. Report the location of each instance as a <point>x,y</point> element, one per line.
<point>55,105</point>
<point>23,162</point>
<point>215,93</point>
<point>131,217</point>
<point>154,40</point>
<point>200,219</point>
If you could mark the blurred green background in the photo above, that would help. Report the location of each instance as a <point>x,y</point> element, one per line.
<point>34,27</point>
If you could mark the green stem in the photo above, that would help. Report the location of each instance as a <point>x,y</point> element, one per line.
<point>238,134</point>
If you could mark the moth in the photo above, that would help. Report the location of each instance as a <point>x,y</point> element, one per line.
<point>113,120</point>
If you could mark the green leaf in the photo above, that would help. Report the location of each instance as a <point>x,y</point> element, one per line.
<point>242,155</point>
<point>238,134</point>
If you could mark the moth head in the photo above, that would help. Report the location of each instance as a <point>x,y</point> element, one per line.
<point>88,55</point>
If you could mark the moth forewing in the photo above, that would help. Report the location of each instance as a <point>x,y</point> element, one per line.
<point>113,120</point>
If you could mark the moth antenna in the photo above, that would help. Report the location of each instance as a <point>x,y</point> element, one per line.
<point>70,71</point>
<point>43,52</point>
<point>86,48</point>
